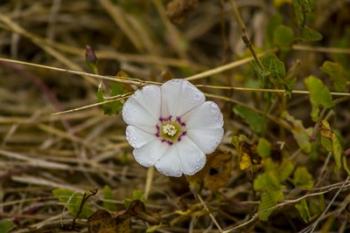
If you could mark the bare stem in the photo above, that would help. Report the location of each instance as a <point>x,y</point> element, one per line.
<point>280,91</point>
<point>149,180</point>
<point>81,73</point>
<point>210,214</point>
<point>245,36</point>
<point>120,97</point>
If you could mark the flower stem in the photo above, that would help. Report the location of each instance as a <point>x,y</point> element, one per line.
<point>149,181</point>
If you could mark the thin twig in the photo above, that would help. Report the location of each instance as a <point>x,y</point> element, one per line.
<point>281,91</point>
<point>245,36</point>
<point>314,225</point>
<point>226,67</point>
<point>340,186</point>
<point>120,97</point>
<point>81,73</point>
<point>210,214</point>
<point>81,206</point>
<point>204,74</point>
<point>319,49</point>
<point>245,223</point>
<point>270,117</point>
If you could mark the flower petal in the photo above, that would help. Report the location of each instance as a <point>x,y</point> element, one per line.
<point>180,96</point>
<point>134,114</point>
<point>150,153</point>
<point>208,115</point>
<point>169,164</point>
<point>149,97</point>
<point>190,98</point>
<point>191,157</point>
<point>138,137</point>
<point>206,139</point>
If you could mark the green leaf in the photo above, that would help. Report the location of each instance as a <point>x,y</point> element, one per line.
<point>309,34</point>
<point>274,21</point>
<point>326,136</point>
<point>6,225</point>
<point>72,201</point>
<point>267,181</point>
<point>116,106</point>
<point>342,42</point>
<point>276,72</point>
<point>136,195</point>
<point>302,10</point>
<point>270,166</point>
<point>264,148</point>
<point>303,210</point>
<point>108,197</point>
<point>337,74</point>
<point>276,69</point>
<point>337,150</point>
<point>316,205</point>
<point>299,132</point>
<point>256,121</point>
<point>261,73</point>
<point>115,89</point>
<point>285,170</point>
<point>283,36</point>
<point>268,200</point>
<point>331,142</point>
<point>303,179</point>
<point>345,165</point>
<point>310,208</point>
<point>319,95</point>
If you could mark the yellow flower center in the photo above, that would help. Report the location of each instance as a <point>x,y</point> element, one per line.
<point>169,129</point>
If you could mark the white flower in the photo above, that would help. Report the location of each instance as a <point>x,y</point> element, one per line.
<point>172,127</point>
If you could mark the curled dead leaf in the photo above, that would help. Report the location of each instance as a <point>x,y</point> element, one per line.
<point>103,222</point>
<point>138,209</point>
<point>247,152</point>
<point>215,174</point>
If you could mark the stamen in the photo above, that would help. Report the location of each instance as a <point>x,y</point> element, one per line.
<point>178,119</point>
<point>169,130</point>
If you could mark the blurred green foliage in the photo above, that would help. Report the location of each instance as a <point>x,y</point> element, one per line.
<point>73,201</point>
<point>6,225</point>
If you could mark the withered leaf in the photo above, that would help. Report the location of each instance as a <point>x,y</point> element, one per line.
<point>103,222</point>
<point>247,153</point>
<point>300,134</point>
<point>215,174</point>
<point>331,142</point>
<point>138,209</point>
